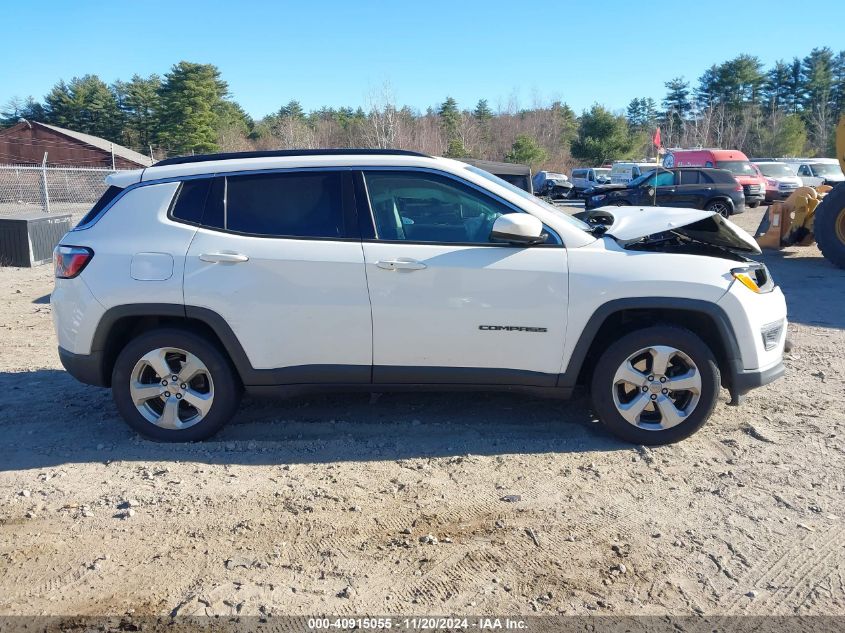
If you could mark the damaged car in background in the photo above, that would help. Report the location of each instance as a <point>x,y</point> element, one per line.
<point>552,185</point>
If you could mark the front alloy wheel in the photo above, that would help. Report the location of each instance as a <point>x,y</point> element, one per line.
<point>655,385</point>
<point>656,388</point>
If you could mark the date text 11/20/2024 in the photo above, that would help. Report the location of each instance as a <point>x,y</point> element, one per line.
<point>421,623</point>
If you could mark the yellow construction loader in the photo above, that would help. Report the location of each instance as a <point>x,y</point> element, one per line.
<point>810,214</point>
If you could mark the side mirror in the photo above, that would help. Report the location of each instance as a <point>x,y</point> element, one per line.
<point>518,228</point>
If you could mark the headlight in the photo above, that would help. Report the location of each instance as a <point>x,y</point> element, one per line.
<point>755,277</point>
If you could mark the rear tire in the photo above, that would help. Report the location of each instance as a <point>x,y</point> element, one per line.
<point>829,226</point>
<point>719,206</point>
<point>172,385</point>
<point>631,387</point>
<point>753,205</point>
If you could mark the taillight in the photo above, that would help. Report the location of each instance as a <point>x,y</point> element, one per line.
<point>70,260</point>
<point>738,187</point>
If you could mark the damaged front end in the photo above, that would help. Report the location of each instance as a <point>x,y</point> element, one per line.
<point>672,230</point>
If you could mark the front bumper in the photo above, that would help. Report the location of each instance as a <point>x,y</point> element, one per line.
<point>744,381</point>
<point>86,368</point>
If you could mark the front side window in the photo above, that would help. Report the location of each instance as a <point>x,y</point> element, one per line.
<point>422,207</point>
<point>298,204</point>
<point>664,179</point>
<point>826,170</point>
<point>737,167</point>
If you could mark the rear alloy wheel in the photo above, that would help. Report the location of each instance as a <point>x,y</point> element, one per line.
<point>656,385</point>
<point>173,385</point>
<point>171,388</point>
<point>720,207</point>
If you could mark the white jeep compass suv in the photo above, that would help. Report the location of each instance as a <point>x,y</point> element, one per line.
<point>290,271</point>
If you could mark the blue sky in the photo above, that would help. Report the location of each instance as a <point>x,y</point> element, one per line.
<point>330,52</point>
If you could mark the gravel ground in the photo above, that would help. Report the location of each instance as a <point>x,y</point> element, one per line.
<point>419,504</point>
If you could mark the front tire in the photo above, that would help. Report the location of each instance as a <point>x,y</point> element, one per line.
<point>172,385</point>
<point>656,385</point>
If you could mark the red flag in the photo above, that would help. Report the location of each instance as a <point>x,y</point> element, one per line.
<point>656,139</point>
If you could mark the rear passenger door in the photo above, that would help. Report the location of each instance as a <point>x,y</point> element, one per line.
<point>278,256</point>
<point>690,189</point>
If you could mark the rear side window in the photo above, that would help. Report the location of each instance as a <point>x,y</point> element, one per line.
<point>190,200</point>
<point>688,177</point>
<point>302,204</point>
<point>109,195</point>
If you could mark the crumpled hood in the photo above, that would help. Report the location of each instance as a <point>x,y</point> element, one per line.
<point>606,188</point>
<point>630,224</point>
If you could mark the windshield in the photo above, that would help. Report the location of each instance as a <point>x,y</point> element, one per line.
<point>737,167</point>
<point>527,196</point>
<point>774,170</point>
<point>602,173</point>
<point>826,169</point>
<point>636,182</point>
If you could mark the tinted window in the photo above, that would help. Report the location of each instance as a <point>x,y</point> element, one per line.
<point>578,173</point>
<point>723,177</point>
<point>190,200</point>
<point>422,207</point>
<point>301,204</point>
<point>664,179</point>
<point>688,177</point>
<point>109,195</point>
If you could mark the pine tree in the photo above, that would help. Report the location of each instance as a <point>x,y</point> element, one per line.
<point>482,111</point>
<point>293,109</point>
<point>602,136</point>
<point>86,104</point>
<point>190,96</point>
<point>140,102</point>
<point>450,118</point>
<point>526,151</point>
<point>456,149</point>
<point>838,88</point>
<point>17,109</point>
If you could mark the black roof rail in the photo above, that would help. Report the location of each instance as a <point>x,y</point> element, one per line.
<point>201,158</point>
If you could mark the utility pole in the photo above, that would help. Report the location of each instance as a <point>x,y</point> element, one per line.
<point>112,156</point>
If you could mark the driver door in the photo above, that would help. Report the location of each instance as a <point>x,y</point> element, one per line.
<point>450,306</point>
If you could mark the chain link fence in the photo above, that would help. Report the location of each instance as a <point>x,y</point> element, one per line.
<point>71,190</point>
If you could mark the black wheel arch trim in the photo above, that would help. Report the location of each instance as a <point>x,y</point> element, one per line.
<point>231,345</point>
<point>363,374</point>
<point>719,317</point>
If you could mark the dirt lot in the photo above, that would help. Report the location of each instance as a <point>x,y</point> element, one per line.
<point>326,504</point>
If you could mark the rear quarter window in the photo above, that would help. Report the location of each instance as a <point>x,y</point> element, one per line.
<point>110,194</point>
<point>189,203</point>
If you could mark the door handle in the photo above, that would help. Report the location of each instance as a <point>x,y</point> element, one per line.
<point>400,264</point>
<point>223,258</point>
